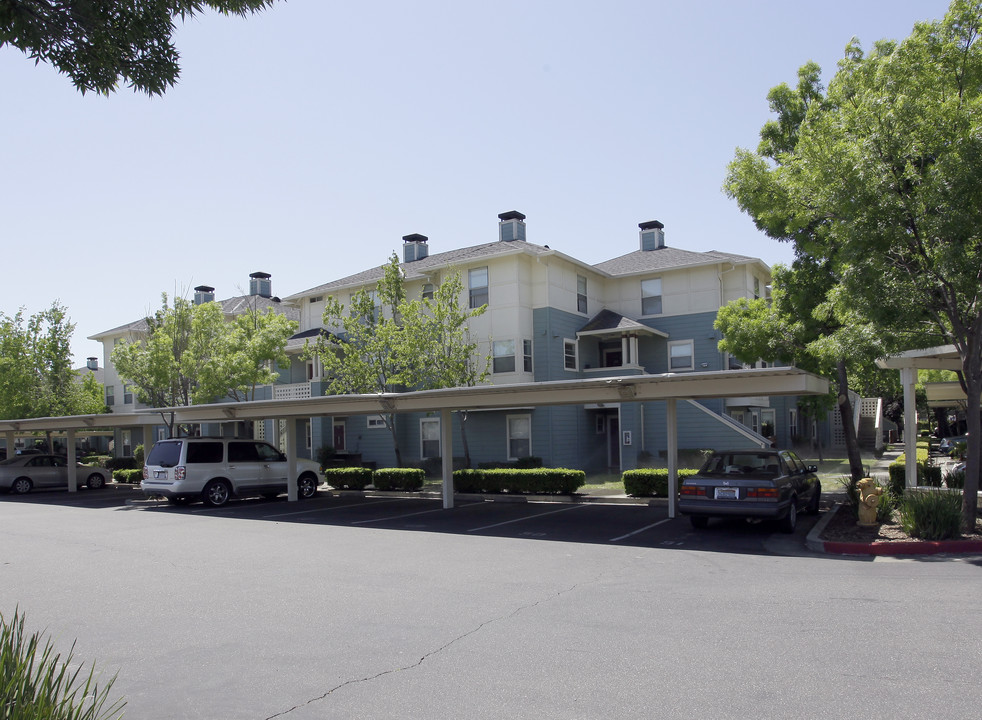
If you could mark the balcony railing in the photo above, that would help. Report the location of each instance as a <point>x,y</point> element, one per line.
<point>293,391</point>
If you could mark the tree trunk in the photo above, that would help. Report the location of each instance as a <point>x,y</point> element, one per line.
<point>856,471</point>
<point>390,422</point>
<point>970,498</point>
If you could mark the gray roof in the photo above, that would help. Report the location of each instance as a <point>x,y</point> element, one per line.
<point>233,307</point>
<point>421,268</point>
<point>666,258</point>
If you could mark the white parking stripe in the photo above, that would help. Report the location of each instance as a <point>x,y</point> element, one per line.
<point>640,530</point>
<point>397,517</point>
<point>333,507</point>
<point>530,517</point>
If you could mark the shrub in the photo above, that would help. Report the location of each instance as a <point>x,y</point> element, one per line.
<point>121,463</point>
<point>927,474</point>
<point>100,460</point>
<point>932,515</point>
<point>132,476</point>
<point>559,481</point>
<point>398,478</point>
<point>326,455</point>
<point>650,482</point>
<point>955,479</point>
<point>138,455</point>
<point>36,683</point>
<point>352,478</point>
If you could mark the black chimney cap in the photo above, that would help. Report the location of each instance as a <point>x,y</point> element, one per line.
<point>204,288</point>
<point>260,275</point>
<point>651,225</point>
<point>415,237</point>
<point>511,215</point>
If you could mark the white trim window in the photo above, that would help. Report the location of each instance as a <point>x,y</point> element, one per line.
<point>477,283</point>
<point>680,355</point>
<point>581,302</point>
<point>527,355</point>
<point>503,356</point>
<point>570,359</point>
<point>429,438</point>
<point>651,296</point>
<point>308,436</point>
<point>375,421</point>
<point>519,436</point>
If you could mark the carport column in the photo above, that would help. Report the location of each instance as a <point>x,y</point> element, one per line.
<point>148,441</point>
<point>11,440</point>
<point>70,451</point>
<point>672,452</point>
<point>908,378</point>
<point>446,445</point>
<point>291,459</point>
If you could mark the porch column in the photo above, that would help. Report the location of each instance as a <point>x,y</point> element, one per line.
<point>291,459</point>
<point>908,378</point>
<point>70,453</point>
<point>446,447</point>
<point>672,440</point>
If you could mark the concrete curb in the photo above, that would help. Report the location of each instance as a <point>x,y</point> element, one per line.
<point>913,547</point>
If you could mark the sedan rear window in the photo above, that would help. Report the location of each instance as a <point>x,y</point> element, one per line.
<point>742,463</point>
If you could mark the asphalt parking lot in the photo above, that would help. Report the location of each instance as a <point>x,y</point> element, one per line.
<point>344,606</point>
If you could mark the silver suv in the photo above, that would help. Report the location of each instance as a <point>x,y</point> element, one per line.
<point>214,470</point>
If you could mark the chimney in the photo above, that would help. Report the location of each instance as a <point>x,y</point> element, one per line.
<point>92,363</point>
<point>511,226</point>
<point>415,247</point>
<point>203,294</point>
<point>259,284</point>
<point>652,235</point>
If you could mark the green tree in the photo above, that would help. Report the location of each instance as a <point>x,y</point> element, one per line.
<point>191,354</point>
<point>100,43</point>
<point>884,179</point>
<point>385,343</point>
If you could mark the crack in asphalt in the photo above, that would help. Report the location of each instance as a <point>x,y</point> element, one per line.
<point>424,658</point>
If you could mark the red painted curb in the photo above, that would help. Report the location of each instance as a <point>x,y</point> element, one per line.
<point>914,547</point>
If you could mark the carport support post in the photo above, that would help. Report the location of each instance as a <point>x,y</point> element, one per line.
<point>908,378</point>
<point>291,459</point>
<point>446,444</point>
<point>672,452</point>
<point>11,443</point>
<point>70,452</point>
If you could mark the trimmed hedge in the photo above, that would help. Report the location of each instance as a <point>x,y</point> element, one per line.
<point>132,476</point>
<point>650,482</point>
<point>352,478</point>
<point>553,481</point>
<point>926,474</point>
<point>398,478</point>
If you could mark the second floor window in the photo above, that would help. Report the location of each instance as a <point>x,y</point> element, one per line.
<point>527,355</point>
<point>503,356</point>
<point>581,294</point>
<point>127,395</point>
<point>651,296</point>
<point>569,354</point>
<point>477,283</point>
<point>110,395</point>
<point>680,355</point>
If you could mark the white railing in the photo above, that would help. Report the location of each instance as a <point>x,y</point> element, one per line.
<point>293,391</point>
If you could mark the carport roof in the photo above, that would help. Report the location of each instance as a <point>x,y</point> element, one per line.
<point>632,388</point>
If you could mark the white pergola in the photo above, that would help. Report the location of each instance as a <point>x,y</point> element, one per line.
<point>908,363</point>
<point>668,387</point>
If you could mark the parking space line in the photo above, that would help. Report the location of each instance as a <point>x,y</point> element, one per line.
<point>530,517</point>
<point>398,517</point>
<point>333,507</point>
<point>640,530</point>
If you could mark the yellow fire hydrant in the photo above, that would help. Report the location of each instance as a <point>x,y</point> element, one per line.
<point>869,498</point>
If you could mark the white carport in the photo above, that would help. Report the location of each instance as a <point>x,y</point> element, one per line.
<point>669,387</point>
<point>945,357</point>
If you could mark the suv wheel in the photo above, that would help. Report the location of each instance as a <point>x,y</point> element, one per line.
<point>307,486</point>
<point>216,493</point>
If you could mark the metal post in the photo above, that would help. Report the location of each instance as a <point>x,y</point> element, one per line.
<point>291,459</point>
<point>672,440</point>
<point>446,447</point>
<point>908,378</point>
<point>70,452</point>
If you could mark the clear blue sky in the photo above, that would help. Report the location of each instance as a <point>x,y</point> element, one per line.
<point>307,140</point>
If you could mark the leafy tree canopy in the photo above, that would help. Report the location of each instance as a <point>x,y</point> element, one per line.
<point>100,43</point>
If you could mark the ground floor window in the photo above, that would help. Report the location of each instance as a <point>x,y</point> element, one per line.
<point>429,435</point>
<point>519,436</point>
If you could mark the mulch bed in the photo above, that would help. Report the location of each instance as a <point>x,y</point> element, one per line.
<point>843,528</point>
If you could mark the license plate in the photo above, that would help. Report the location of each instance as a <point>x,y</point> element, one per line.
<point>726,493</point>
<point>160,474</point>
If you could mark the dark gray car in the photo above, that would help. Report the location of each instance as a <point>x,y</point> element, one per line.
<point>773,484</point>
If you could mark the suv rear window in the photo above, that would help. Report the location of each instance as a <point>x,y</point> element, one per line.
<point>165,454</point>
<point>204,452</point>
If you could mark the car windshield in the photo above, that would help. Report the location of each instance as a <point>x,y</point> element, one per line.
<point>742,463</point>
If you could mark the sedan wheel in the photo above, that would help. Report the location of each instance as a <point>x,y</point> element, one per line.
<point>216,493</point>
<point>790,521</point>
<point>95,481</point>
<point>22,485</point>
<point>306,486</point>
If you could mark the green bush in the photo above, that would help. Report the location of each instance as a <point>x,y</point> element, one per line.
<point>138,455</point>
<point>132,476</point>
<point>36,683</point>
<point>99,460</point>
<point>651,482</point>
<point>932,515</point>
<point>121,463</point>
<point>927,474</point>
<point>398,478</point>
<point>555,481</point>
<point>955,479</point>
<point>352,478</point>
